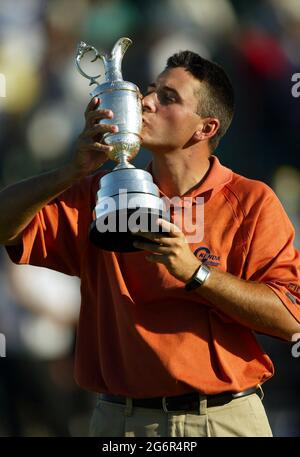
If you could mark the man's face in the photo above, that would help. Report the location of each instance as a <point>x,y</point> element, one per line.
<point>169,111</point>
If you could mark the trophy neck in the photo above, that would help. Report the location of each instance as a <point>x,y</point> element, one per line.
<point>114,62</point>
<point>113,70</point>
<point>123,164</point>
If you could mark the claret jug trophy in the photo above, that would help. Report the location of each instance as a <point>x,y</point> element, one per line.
<point>127,199</point>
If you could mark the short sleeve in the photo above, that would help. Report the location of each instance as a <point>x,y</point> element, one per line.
<point>272,258</point>
<point>56,236</point>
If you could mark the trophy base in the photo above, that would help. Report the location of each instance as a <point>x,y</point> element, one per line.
<point>121,240</point>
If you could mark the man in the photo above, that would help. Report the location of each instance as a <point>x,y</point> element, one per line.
<point>166,334</point>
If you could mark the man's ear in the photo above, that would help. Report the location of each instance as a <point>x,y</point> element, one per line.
<point>207,129</point>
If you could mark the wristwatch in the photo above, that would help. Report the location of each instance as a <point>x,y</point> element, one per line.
<point>199,278</point>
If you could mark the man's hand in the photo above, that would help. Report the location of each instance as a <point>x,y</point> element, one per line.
<point>91,152</point>
<point>171,249</point>
<point>20,202</point>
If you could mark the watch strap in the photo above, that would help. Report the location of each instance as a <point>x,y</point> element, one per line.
<point>199,278</point>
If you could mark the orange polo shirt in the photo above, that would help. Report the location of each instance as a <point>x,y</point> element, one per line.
<point>140,334</point>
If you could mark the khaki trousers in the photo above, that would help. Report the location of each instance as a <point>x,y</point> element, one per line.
<point>244,416</point>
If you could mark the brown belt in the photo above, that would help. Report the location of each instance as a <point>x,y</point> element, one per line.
<point>188,402</point>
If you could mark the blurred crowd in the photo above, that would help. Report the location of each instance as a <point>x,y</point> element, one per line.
<point>42,101</point>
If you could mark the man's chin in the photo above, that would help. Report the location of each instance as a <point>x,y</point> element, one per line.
<point>148,143</point>
<point>145,142</point>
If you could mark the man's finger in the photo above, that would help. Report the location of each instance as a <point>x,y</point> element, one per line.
<point>167,227</point>
<point>102,147</point>
<point>99,147</point>
<point>94,117</point>
<point>152,247</point>
<point>164,236</point>
<point>159,238</point>
<point>100,128</point>
<point>92,105</point>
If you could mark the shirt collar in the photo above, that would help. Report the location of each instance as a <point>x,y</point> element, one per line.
<point>216,178</point>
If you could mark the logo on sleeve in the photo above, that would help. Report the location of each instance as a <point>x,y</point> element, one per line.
<point>204,254</point>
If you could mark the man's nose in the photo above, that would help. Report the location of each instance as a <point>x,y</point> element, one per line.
<point>148,102</point>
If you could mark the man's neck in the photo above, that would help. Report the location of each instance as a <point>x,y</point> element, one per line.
<point>176,174</point>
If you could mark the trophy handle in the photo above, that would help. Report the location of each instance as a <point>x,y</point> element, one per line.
<point>82,49</point>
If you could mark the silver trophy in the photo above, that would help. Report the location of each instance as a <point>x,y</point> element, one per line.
<point>127,200</point>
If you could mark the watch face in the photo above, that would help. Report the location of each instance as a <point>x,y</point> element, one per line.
<point>198,279</point>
